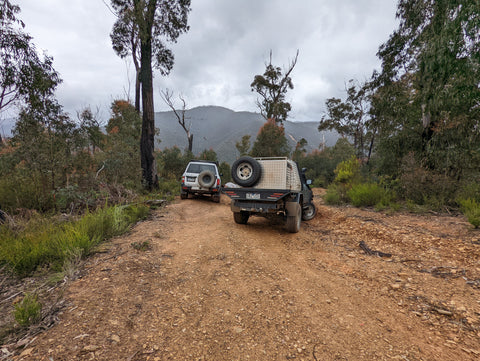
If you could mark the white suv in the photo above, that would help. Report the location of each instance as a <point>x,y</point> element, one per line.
<point>201,177</point>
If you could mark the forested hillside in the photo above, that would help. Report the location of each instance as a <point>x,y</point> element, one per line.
<point>220,128</point>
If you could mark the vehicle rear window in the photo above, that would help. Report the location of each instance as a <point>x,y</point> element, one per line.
<point>198,168</point>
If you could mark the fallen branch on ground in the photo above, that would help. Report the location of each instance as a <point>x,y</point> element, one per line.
<point>371,252</point>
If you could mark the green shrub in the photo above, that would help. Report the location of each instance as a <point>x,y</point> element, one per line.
<point>72,197</point>
<point>471,209</point>
<point>168,188</point>
<point>28,311</point>
<point>425,186</point>
<point>225,170</point>
<point>332,196</point>
<point>436,202</point>
<point>414,207</point>
<point>348,172</point>
<point>51,244</point>
<point>470,190</point>
<point>319,182</point>
<point>24,189</point>
<point>142,246</point>
<point>172,162</point>
<point>388,201</point>
<point>321,164</point>
<point>366,194</point>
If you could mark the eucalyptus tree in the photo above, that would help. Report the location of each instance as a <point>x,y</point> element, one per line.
<point>270,141</point>
<point>149,25</point>
<point>125,39</point>
<point>435,55</point>
<point>243,146</point>
<point>352,118</point>
<point>25,77</point>
<point>272,88</point>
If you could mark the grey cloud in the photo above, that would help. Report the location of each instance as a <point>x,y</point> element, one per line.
<point>228,43</point>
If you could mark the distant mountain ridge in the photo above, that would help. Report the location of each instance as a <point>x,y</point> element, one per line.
<point>220,128</point>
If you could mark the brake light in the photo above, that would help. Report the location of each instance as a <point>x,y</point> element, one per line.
<point>183,179</point>
<point>218,182</point>
<point>232,194</point>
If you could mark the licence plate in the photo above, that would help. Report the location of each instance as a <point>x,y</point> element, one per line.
<point>253,195</point>
<point>190,179</point>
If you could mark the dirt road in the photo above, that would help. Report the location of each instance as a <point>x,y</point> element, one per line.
<point>210,289</point>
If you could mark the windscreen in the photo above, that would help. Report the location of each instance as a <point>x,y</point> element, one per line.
<point>198,168</point>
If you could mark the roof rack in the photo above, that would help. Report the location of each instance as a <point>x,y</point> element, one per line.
<point>204,161</point>
<point>271,158</point>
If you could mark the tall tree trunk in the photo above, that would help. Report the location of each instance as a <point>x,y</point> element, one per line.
<point>190,143</point>
<point>134,45</point>
<point>137,77</point>
<point>137,91</point>
<point>370,148</point>
<point>147,146</point>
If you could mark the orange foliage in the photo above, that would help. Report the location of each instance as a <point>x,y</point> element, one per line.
<point>271,124</point>
<point>7,149</point>
<point>114,130</point>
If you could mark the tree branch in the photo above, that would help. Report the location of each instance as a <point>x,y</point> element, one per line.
<point>180,115</point>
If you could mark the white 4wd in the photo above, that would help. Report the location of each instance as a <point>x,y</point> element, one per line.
<point>201,177</point>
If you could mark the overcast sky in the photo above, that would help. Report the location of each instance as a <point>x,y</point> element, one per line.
<point>227,45</point>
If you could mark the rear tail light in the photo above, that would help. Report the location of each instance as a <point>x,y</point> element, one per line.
<point>183,179</point>
<point>218,182</point>
<point>232,194</point>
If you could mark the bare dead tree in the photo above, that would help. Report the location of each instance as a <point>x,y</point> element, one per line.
<point>179,114</point>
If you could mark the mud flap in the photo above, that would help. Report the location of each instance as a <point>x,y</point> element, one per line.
<point>294,216</point>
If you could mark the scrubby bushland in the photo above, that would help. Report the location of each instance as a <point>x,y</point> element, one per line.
<point>416,121</point>
<point>471,209</point>
<point>347,174</point>
<point>28,311</point>
<point>44,242</point>
<point>369,195</point>
<point>64,166</point>
<point>171,162</point>
<point>321,164</point>
<point>349,187</point>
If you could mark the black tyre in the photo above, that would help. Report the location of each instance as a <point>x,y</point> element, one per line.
<point>216,198</point>
<point>309,212</point>
<point>246,171</point>
<point>241,217</point>
<point>206,179</point>
<point>183,195</point>
<point>294,220</point>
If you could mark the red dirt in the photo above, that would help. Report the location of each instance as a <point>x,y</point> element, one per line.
<point>210,289</point>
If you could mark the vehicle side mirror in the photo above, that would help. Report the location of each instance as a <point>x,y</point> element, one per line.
<point>304,170</point>
<point>221,174</point>
<point>309,182</point>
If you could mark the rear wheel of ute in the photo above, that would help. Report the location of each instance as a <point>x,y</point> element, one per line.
<point>241,217</point>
